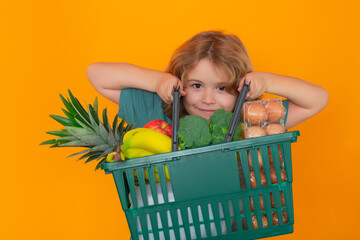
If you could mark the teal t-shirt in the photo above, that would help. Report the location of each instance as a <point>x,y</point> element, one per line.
<point>140,107</point>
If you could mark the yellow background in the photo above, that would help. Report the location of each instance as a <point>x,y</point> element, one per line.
<point>47,45</point>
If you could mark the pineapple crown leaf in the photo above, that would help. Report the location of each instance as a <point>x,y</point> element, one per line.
<point>103,132</point>
<point>81,114</point>
<point>83,128</point>
<point>78,153</point>
<point>99,163</point>
<point>106,120</point>
<point>71,117</point>
<point>96,105</point>
<point>61,133</point>
<point>92,155</point>
<point>93,124</point>
<point>68,106</point>
<point>62,120</point>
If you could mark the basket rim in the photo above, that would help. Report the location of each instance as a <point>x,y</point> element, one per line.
<point>229,146</point>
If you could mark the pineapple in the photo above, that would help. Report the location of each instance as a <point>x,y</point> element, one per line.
<point>84,129</point>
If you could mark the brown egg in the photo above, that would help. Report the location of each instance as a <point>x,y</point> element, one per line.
<point>276,220</point>
<point>272,201</point>
<point>262,206</point>
<point>255,223</point>
<point>260,161</point>
<point>274,111</point>
<point>265,220</point>
<point>271,160</point>
<point>273,176</point>
<point>253,179</point>
<point>254,131</point>
<point>255,113</point>
<point>274,128</point>
<point>263,181</point>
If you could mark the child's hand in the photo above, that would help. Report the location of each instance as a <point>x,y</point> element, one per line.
<point>165,86</point>
<point>258,84</point>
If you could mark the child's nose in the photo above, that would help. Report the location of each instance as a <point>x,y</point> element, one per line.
<point>208,97</point>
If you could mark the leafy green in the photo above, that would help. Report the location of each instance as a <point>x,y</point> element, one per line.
<point>193,132</point>
<point>219,125</point>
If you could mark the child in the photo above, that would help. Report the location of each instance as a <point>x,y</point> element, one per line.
<point>211,68</point>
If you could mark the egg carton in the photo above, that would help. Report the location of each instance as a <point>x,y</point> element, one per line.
<point>263,117</point>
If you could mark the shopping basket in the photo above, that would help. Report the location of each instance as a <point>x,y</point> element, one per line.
<point>233,190</point>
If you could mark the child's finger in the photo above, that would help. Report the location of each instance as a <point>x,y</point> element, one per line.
<point>241,83</point>
<point>169,99</point>
<point>248,95</point>
<point>252,88</point>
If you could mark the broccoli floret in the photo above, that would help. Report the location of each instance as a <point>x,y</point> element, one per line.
<point>219,125</point>
<point>194,132</point>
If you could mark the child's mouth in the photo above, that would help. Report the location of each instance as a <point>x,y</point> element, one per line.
<point>207,111</point>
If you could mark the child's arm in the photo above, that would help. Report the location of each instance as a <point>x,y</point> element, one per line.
<point>110,78</point>
<point>305,99</point>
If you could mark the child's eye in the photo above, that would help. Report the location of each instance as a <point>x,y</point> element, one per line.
<point>196,85</point>
<point>221,88</point>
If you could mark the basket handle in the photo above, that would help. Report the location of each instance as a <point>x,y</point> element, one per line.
<point>236,115</point>
<point>175,118</point>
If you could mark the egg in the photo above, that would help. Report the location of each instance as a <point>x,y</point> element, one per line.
<point>255,113</point>
<point>260,162</point>
<point>274,128</point>
<point>253,183</point>
<point>254,131</point>
<point>262,206</point>
<point>276,220</point>
<point>263,181</point>
<point>271,160</point>
<point>272,201</point>
<point>274,111</point>
<point>273,176</point>
<point>264,220</point>
<point>282,200</point>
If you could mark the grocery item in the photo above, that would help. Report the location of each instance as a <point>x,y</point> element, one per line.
<point>274,111</point>
<point>254,131</point>
<point>263,177</point>
<point>267,115</point>
<point>85,129</point>
<point>272,202</point>
<point>196,131</point>
<point>160,126</point>
<point>147,139</point>
<point>260,160</point>
<point>265,222</point>
<point>274,128</point>
<point>254,113</point>
<point>219,124</point>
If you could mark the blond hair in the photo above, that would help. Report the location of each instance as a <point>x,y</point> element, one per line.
<point>225,51</point>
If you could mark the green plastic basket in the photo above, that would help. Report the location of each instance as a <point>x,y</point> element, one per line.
<point>211,191</point>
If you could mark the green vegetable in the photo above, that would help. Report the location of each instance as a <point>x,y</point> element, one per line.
<point>194,132</point>
<point>219,125</point>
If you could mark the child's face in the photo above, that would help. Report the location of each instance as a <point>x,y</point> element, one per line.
<point>205,91</point>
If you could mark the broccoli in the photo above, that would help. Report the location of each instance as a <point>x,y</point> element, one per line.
<point>194,132</point>
<point>219,125</point>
